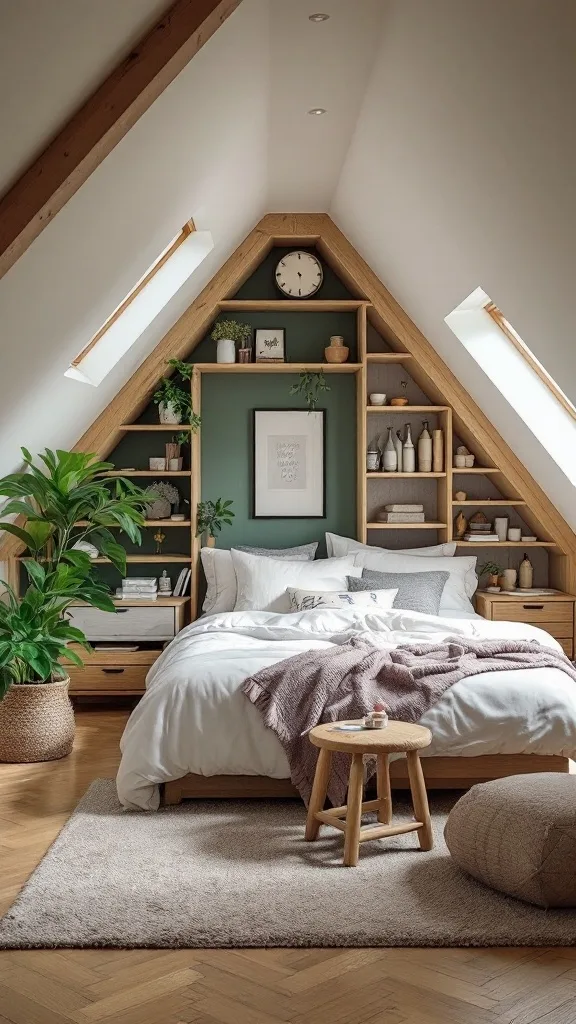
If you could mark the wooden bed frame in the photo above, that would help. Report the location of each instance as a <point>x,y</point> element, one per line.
<point>439,772</point>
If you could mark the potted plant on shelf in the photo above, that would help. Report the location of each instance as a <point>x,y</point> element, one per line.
<point>227,333</point>
<point>36,718</point>
<point>493,571</point>
<point>174,447</point>
<point>310,385</point>
<point>210,517</point>
<point>175,402</point>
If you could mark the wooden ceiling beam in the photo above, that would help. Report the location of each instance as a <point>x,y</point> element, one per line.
<point>95,129</point>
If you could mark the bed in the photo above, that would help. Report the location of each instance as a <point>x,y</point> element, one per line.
<point>194,733</point>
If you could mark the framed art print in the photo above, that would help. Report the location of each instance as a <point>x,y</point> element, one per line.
<point>289,464</point>
<point>270,345</point>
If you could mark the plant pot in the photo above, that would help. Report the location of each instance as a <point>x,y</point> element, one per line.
<point>168,413</point>
<point>493,580</point>
<point>157,465</point>
<point>175,465</point>
<point>210,541</point>
<point>225,351</point>
<point>36,723</point>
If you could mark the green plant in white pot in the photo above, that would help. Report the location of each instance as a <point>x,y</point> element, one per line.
<point>228,334</point>
<point>175,402</point>
<point>36,717</point>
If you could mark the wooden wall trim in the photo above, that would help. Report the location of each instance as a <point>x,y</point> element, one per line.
<point>95,129</point>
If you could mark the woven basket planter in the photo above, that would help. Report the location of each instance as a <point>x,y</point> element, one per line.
<point>36,723</point>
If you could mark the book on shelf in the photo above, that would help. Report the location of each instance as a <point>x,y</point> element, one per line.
<point>482,538</point>
<point>137,595</point>
<point>138,582</point>
<point>403,508</point>
<point>401,517</point>
<point>182,583</point>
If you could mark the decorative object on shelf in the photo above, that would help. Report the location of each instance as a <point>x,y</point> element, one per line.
<point>177,517</point>
<point>469,461</point>
<point>507,579</point>
<point>408,451</point>
<point>525,574</point>
<point>211,517</point>
<point>174,448</point>
<point>245,354</point>
<point>289,464</point>
<point>373,460</point>
<point>480,530</point>
<point>514,533</point>
<point>438,451</point>
<point>460,526</point>
<point>227,333</point>
<point>162,496</point>
<point>165,584</point>
<point>158,465</point>
<point>270,345</point>
<point>403,399</point>
<point>310,385</point>
<point>174,402</point>
<point>459,461</point>
<point>463,459</point>
<point>425,449</point>
<point>389,457</point>
<point>336,351</point>
<point>459,495</point>
<point>377,398</point>
<point>398,447</point>
<point>90,549</point>
<point>139,588</point>
<point>398,513</point>
<point>298,274</point>
<point>36,718</point>
<point>501,527</point>
<point>529,538</point>
<point>159,537</point>
<point>493,571</point>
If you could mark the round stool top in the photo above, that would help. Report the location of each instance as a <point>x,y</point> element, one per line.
<point>395,738</point>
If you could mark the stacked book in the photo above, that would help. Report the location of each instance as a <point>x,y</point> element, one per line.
<point>402,514</point>
<point>139,588</point>
<point>480,529</point>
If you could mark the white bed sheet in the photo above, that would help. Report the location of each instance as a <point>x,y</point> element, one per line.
<point>194,717</point>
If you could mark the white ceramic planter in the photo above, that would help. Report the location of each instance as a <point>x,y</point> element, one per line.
<point>226,351</point>
<point>168,414</point>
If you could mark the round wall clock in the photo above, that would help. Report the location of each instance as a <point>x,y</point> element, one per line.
<point>299,275</point>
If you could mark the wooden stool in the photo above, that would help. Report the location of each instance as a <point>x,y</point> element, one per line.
<point>398,737</point>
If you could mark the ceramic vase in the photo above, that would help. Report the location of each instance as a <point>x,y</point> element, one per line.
<point>425,450</point>
<point>398,447</point>
<point>525,573</point>
<point>372,460</point>
<point>336,351</point>
<point>168,414</point>
<point>225,351</point>
<point>437,451</point>
<point>501,527</point>
<point>508,579</point>
<point>408,452</point>
<point>390,458</point>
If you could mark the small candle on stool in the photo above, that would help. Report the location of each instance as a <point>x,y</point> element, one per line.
<point>377,719</point>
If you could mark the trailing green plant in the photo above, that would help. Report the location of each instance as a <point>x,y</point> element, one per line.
<point>182,438</point>
<point>310,385</point>
<point>212,515</point>
<point>170,392</point>
<point>233,330</point>
<point>490,569</point>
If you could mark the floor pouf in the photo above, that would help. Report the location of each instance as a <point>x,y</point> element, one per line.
<point>518,835</point>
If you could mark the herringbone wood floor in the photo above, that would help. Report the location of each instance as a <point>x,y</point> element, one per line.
<point>457,986</point>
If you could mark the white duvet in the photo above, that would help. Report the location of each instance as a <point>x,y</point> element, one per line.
<point>194,717</point>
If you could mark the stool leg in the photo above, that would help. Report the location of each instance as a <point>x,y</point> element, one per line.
<point>318,796</point>
<point>420,799</point>
<point>383,789</point>
<point>354,812</point>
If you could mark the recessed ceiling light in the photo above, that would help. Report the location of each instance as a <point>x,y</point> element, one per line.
<point>318,17</point>
<point>317,111</point>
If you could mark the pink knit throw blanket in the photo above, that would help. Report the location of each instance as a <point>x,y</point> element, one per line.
<point>344,682</point>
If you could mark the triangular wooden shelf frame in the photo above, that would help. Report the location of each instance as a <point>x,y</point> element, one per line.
<point>400,333</point>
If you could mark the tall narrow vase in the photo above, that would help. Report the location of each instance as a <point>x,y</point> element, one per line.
<point>437,451</point>
<point>398,447</point>
<point>425,450</point>
<point>390,457</point>
<point>408,452</point>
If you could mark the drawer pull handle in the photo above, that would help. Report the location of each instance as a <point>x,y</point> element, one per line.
<point>113,671</point>
<point>536,607</point>
<point>122,611</point>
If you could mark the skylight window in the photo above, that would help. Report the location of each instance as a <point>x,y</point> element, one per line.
<point>143,303</point>
<point>519,376</point>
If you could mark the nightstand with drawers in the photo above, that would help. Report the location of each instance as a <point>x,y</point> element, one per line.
<point>112,669</point>
<point>552,613</point>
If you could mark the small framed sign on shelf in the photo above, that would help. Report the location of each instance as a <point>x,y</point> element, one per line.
<point>270,345</point>
<point>289,464</point>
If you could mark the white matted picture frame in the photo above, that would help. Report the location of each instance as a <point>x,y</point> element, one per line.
<point>270,345</point>
<point>289,464</point>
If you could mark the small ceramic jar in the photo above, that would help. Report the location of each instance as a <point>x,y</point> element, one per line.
<point>158,465</point>
<point>372,460</point>
<point>377,398</point>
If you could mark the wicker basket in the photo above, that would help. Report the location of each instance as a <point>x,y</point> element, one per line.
<point>36,723</point>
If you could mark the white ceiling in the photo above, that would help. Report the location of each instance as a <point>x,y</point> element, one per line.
<point>446,154</point>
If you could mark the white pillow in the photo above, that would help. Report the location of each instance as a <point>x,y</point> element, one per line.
<point>307,600</point>
<point>221,578</point>
<point>459,587</point>
<point>262,582</point>
<point>337,547</point>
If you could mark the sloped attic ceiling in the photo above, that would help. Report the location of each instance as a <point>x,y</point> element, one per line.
<point>446,156</point>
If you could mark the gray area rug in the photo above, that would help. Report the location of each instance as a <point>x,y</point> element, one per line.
<point>238,873</point>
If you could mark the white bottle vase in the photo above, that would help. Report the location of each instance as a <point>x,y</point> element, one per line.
<point>225,351</point>
<point>408,452</point>
<point>425,450</point>
<point>398,447</point>
<point>390,458</point>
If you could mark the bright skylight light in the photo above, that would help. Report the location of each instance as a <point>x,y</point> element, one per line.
<point>519,376</point>
<point>144,302</point>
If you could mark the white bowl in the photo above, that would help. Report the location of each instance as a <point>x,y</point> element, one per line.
<point>377,399</point>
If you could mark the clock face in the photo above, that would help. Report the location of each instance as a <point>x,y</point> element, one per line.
<point>299,275</point>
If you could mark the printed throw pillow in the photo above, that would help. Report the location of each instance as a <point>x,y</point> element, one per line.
<point>416,591</point>
<point>307,600</point>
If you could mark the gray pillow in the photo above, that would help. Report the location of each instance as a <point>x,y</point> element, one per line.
<point>303,553</point>
<point>417,591</point>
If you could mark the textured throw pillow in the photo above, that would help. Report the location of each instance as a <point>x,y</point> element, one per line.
<point>306,600</point>
<point>262,582</point>
<point>221,578</point>
<point>337,547</point>
<point>459,587</point>
<point>416,591</point>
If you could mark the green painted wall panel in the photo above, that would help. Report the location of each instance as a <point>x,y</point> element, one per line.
<point>261,284</point>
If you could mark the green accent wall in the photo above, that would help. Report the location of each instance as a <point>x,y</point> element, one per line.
<point>261,284</point>
<point>307,333</point>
